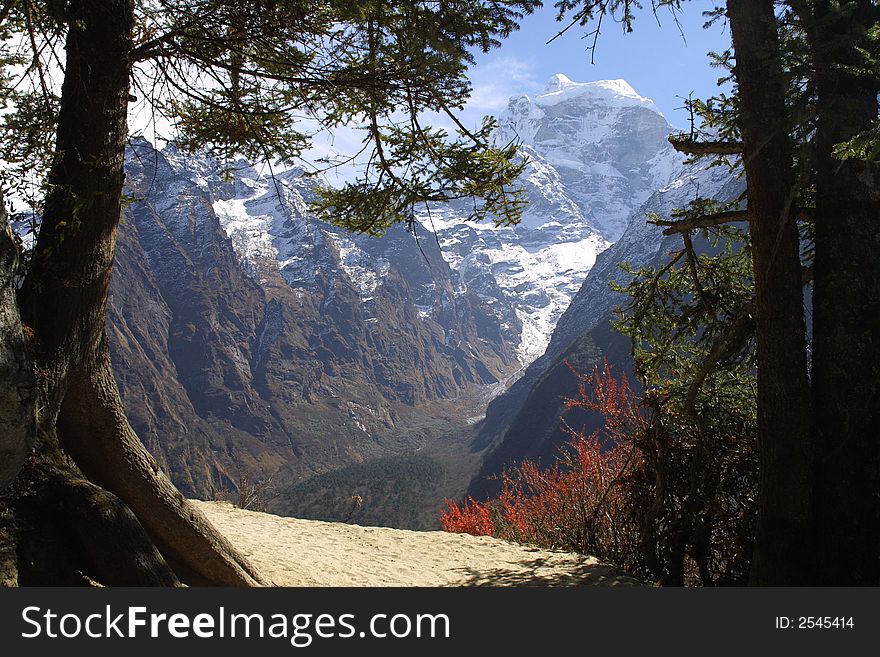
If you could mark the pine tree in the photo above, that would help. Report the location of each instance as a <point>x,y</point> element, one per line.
<point>805,120</point>
<point>844,49</point>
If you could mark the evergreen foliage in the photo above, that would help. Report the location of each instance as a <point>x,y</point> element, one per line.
<point>693,334</point>
<point>260,79</point>
<point>234,77</point>
<point>766,429</point>
<point>714,332</point>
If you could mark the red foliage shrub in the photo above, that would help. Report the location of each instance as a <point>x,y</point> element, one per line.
<point>470,518</point>
<point>582,502</point>
<point>665,494</point>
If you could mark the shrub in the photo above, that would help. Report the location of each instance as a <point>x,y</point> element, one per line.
<point>665,495</point>
<point>469,518</point>
<point>582,502</point>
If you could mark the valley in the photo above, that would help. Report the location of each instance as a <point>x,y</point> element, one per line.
<point>251,339</point>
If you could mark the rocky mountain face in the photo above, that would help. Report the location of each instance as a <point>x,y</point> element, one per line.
<point>607,143</point>
<point>527,420</point>
<point>247,336</point>
<point>596,151</point>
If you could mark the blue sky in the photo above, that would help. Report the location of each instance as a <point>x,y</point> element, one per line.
<point>655,59</point>
<point>661,60</point>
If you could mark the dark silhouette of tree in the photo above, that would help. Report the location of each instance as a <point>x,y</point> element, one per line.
<point>805,120</point>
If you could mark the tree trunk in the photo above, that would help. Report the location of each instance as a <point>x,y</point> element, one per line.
<point>64,301</point>
<point>846,304</point>
<point>17,402</point>
<point>782,549</point>
<point>54,526</point>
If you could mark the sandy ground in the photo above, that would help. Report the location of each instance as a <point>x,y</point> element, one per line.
<point>293,552</point>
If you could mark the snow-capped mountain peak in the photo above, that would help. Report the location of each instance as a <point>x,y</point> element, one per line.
<point>595,151</point>
<point>613,93</point>
<point>607,143</point>
<point>557,83</point>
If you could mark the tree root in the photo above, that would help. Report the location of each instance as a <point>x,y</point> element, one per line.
<point>56,528</point>
<point>96,433</point>
<point>118,547</point>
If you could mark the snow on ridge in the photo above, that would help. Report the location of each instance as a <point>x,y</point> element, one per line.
<point>558,269</point>
<point>272,234</point>
<point>614,93</point>
<point>363,270</point>
<point>251,232</point>
<point>537,267</point>
<point>558,82</point>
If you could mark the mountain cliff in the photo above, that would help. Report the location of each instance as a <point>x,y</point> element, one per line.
<point>595,151</point>
<point>526,421</point>
<point>249,336</point>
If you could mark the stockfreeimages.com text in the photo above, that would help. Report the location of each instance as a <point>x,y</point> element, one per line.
<point>300,629</point>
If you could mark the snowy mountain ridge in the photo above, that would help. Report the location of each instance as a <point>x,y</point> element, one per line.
<point>526,420</point>
<point>614,93</point>
<point>596,151</point>
<point>247,335</point>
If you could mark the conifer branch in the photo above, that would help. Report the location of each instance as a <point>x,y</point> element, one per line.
<point>719,350</point>
<point>690,146</point>
<point>701,221</point>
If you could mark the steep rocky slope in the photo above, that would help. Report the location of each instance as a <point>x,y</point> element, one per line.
<point>526,421</point>
<point>248,336</point>
<point>251,339</point>
<point>596,151</point>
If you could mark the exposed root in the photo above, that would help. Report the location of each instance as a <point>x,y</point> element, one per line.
<point>57,529</point>
<point>96,433</point>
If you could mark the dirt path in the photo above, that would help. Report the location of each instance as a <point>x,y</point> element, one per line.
<point>293,552</point>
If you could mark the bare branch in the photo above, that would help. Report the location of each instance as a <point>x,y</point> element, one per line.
<point>574,22</point>
<point>718,218</point>
<point>702,221</point>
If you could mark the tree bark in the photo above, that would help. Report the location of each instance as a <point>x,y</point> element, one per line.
<point>782,548</point>
<point>65,530</point>
<point>54,526</point>
<point>64,300</point>
<point>846,303</point>
<point>17,390</point>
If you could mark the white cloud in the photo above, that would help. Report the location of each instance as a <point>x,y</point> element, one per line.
<point>497,79</point>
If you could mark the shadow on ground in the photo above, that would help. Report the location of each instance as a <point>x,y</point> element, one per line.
<point>542,572</point>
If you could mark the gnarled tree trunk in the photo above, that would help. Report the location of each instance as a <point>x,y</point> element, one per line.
<point>63,301</point>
